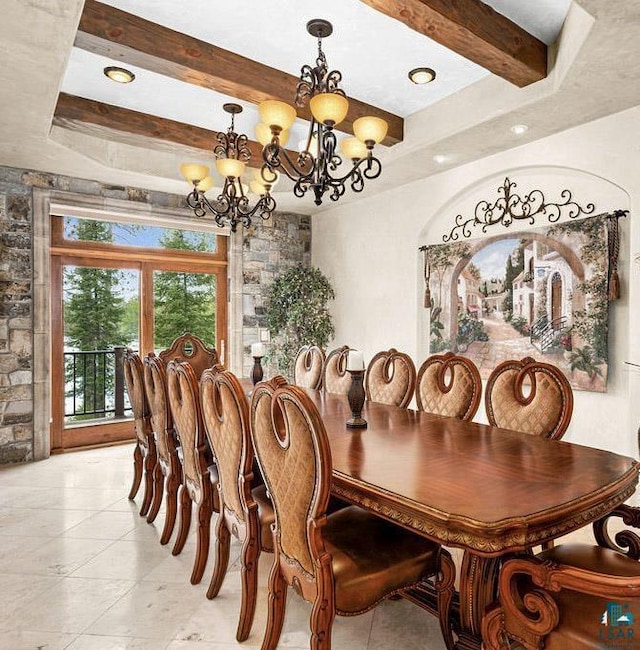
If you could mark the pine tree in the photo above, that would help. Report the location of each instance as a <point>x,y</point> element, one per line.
<point>184,302</point>
<point>92,316</point>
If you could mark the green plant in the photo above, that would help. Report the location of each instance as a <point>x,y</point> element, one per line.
<point>521,325</point>
<point>297,314</point>
<point>469,330</point>
<point>585,359</point>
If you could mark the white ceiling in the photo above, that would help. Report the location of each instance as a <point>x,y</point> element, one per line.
<point>374,69</point>
<point>464,115</point>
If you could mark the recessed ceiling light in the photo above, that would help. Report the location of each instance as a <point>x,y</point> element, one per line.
<point>519,129</point>
<point>120,75</point>
<point>422,75</point>
<point>439,158</point>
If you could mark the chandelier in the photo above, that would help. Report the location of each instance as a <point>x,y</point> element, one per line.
<point>317,166</point>
<point>231,206</point>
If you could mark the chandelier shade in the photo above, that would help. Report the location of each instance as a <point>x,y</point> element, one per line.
<point>370,130</point>
<point>231,207</point>
<point>277,115</point>
<point>329,108</point>
<point>206,184</point>
<point>194,172</point>
<point>353,148</point>
<point>317,168</point>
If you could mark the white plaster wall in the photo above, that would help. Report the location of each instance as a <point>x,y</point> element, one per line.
<point>369,252</point>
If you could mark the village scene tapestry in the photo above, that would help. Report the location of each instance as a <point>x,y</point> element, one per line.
<point>540,293</point>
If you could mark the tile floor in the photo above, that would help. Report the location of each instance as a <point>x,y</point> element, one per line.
<point>80,569</point>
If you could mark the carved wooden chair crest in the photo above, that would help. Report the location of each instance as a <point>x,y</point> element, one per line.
<point>307,370</point>
<point>390,378</point>
<point>313,550</point>
<point>244,512</point>
<point>571,596</point>
<point>168,473</point>
<point>449,385</point>
<point>144,455</point>
<point>197,463</point>
<point>544,411</point>
<point>189,347</point>
<point>336,379</point>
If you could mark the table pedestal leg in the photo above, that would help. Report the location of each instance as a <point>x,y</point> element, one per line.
<point>478,589</point>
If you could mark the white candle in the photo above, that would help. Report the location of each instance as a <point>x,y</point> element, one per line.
<point>257,350</point>
<point>355,360</point>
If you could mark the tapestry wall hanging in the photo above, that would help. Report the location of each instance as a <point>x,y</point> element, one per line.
<point>540,293</point>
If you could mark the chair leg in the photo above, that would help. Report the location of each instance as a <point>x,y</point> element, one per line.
<point>322,617</point>
<point>137,472</point>
<point>249,578</point>
<point>158,492</point>
<point>203,516</point>
<point>185,520</point>
<point>445,590</point>
<point>276,607</point>
<point>171,507</point>
<point>221,564</point>
<point>149,468</point>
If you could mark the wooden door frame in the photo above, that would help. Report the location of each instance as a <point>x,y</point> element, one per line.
<point>146,262</point>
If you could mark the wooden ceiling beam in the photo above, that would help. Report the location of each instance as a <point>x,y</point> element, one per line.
<point>74,110</point>
<point>475,31</point>
<point>130,39</point>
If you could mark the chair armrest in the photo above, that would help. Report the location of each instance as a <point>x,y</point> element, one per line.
<point>527,610</point>
<point>624,541</point>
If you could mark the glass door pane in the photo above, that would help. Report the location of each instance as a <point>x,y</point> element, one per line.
<point>184,302</point>
<point>101,314</point>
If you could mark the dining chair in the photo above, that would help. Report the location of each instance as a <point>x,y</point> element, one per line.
<point>168,472</point>
<point>197,463</point>
<point>335,378</point>
<point>307,371</point>
<point>191,348</point>
<point>571,596</point>
<point>529,396</point>
<point>449,385</point>
<point>144,453</point>
<point>245,511</point>
<point>343,563</point>
<point>390,378</point>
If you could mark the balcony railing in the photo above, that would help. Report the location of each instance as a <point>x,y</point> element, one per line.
<point>94,384</point>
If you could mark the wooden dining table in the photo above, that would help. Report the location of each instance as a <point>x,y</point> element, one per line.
<point>489,491</point>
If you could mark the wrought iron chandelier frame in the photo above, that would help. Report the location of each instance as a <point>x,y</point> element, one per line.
<point>317,172</point>
<point>232,205</point>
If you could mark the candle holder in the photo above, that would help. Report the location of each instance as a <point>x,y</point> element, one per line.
<point>356,400</point>
<point>256,371</point>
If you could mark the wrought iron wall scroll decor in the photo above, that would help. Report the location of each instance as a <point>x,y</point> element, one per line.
<point>510,207</point>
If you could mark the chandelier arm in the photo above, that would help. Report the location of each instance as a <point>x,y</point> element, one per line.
<point>373,169</point>
<point>276,158</point>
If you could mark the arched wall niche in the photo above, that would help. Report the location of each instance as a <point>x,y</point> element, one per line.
<point>551,180</point>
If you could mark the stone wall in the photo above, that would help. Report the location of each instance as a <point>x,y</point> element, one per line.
<point>268,247</point>
<point>16,325</point>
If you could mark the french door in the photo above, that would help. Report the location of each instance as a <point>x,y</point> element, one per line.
<point>146,290</point>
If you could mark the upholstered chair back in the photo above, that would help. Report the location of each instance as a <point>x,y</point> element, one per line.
<point>307,371</point>
<point>449,385</point>
<point>155,384</point>
<point>134,380</point>
<point>390,378</point>
<point>184,400</point>
<point>193,349</point>
<point>225,414</point>
<point>529,396</point>
<point>336,379</point>
<point>293,452</point>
